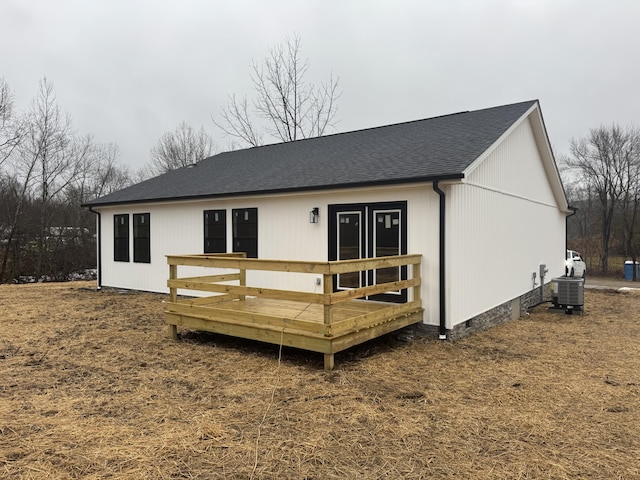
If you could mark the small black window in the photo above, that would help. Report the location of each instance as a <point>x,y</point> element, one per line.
<point>141,238</point>
<point>215,231</point>
<point>245,231</point>
<point>121,238</point>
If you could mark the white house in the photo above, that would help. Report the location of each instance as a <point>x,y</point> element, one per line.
<point>476,193</point>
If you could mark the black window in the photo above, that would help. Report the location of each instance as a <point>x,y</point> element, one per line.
<point>121,238</point>
<point>215,231</point>
<point>141,238</point>
<point>245,231</point>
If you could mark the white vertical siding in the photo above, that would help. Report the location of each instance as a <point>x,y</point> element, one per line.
<point>502,222</point>
<point>515,166</point>
<point>173,230</point>
<point>284,232</point>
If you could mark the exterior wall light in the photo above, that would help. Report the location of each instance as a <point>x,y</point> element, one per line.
<point>314,214</point>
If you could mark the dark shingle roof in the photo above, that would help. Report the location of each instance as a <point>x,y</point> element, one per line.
<point>434,148</point>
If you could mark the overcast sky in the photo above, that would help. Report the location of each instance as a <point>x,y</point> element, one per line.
<point>129,70</point>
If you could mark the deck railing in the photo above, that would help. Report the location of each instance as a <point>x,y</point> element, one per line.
<point>238,265</point>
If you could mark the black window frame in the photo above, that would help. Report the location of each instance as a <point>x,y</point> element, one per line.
<point>215,231</point>
<point>245,231</point>
<point>121,238</point>
<point>142,238</point>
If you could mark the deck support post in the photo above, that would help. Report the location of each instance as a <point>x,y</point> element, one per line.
<point>416,272</point>
<point>243,280</point>
<point>172,330</point>
<point>327,281</point>
<point>328,308</point>
<point>329,361</point>
<point>173,291</point>
<point>173,298</point>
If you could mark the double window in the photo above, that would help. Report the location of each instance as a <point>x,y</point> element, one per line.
<point>141,238</point>
<point>244,223</point>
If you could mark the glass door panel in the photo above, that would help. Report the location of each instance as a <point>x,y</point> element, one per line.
<point>386,242</point>
<point>349,245</point>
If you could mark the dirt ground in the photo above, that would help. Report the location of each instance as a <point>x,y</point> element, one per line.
<point>90,387</point>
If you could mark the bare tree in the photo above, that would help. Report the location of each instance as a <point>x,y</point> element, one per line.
<point>292,108</point>
<point>47,173</point>
<point>108,175</point>
<point>11,128</point>
<point>582,224</point>
<point>179,148</point>
<point>602,162</point>
<point>98,172</point>
<point>629,204</point>
<point>18,187</point>
<point>49,158</point>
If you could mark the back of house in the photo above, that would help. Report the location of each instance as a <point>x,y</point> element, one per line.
<point>476,193</point>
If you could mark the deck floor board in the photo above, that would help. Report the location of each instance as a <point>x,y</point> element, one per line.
<point>300,310</point>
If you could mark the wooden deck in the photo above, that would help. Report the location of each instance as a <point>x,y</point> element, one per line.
<point>326,322</point>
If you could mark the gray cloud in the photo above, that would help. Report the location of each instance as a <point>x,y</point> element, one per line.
<point>127,71</point>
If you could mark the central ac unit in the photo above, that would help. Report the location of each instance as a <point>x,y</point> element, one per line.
<point>568,293</point>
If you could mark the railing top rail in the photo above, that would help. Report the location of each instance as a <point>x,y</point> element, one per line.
<point>300,266</point>
<point>217,261</point>
<point>360,264</point>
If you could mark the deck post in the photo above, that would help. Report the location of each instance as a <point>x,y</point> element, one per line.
<point>329,361</point>
<point>173,291</point>
<point>416,271</point>
<point>172,331</point>
<point>173,298</point>
<point>243,278</point>
<point>328,308</point>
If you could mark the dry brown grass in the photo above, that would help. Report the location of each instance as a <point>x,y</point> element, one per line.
<point>90,387</point>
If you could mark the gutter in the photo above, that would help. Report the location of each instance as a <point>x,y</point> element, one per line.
<point>442,333</point>
<point>99,244</point>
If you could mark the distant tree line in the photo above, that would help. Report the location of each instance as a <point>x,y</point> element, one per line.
<point>602,179</point>
<point>47,170</point>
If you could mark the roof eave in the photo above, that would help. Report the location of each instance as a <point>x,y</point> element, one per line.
<point>404,181</point>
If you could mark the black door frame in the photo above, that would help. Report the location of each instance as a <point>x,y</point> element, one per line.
<point>367,233</point>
